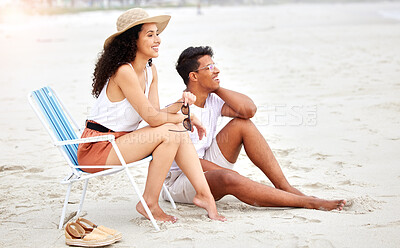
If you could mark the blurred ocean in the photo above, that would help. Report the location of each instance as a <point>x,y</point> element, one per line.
<point>391,14</point>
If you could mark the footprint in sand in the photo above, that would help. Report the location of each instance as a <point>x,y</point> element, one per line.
<point>340,164</point>
<point>288,164</point>
<point>353,183</point>
<point>301,168</point>
<point>55,195</point>
<point>187,242</point>
<point>11,168</point>
<point>320,156</point>
<point>373,131</point>
<point>282,215</point>
<point>336,113</point>
<point>284,152</point>
<point>120,198</point>
<point>390,224</point>
<point>307,220</point>
<point>317,185</point>
<point>349,140</point>
<point>362,205</point>
<point>343,165</point>
<point>321,243</point>
<point>35,170</point>
<point>38,177</point>
<point>288,240</point>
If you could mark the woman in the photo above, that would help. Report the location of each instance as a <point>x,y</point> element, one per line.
<point>126,87</point>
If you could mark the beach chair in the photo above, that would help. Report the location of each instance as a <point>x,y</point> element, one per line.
<point>57,121</point>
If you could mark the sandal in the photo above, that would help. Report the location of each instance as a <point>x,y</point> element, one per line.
<point>89,227</point>
<point>76,235</point>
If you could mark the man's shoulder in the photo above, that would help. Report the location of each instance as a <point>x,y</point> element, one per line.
<point>214,99</point>
<point>215,103</point>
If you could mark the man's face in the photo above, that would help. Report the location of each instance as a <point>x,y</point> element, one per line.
<point>207,74</point>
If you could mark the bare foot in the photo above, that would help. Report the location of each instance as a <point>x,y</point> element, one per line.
<point>157,213</point>
<point>321,204</point>
<point>209,206</point>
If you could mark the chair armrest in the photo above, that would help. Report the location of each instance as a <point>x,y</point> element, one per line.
<point>86,140</point>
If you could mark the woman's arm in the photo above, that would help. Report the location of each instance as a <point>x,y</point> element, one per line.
<point>153,91</point>
<point>174,107</point>
<point>127,80</point>
<point>171,108</point>
<point>187,98</point>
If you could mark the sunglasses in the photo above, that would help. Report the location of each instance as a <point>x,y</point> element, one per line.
<point>211,67</point>
<point>187,122</point>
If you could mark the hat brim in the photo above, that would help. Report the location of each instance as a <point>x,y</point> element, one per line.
<point>160,21</point>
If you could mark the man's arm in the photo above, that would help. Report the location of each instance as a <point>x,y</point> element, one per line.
<point>236,104</point>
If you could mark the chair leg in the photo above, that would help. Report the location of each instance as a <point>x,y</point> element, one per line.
<point>82,198</point>
<point>64,210</point>
<point>169,196</point>
<point>146,208</point>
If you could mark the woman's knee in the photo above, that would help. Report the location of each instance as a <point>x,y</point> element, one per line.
<point>171,133</point>
<point>171,127</point>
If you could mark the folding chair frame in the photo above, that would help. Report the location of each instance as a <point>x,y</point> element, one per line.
<point>76,173</point>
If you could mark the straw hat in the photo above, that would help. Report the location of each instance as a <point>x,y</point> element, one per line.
<point>136,16</point>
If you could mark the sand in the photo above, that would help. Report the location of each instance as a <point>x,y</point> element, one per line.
<point>325,78</point>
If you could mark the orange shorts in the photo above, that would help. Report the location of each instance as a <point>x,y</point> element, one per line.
<point>95,153</point>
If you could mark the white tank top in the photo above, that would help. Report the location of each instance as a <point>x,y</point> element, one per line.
<point>118,116</point>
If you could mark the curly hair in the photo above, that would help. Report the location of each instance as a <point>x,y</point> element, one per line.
<point>188,60</point>
<point>120,51</point>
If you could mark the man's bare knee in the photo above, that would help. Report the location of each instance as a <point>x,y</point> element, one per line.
<point>221,182</point>
<point>229,178</point>
<point>241,122</point>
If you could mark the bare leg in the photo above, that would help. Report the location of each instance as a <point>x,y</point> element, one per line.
<point>240,132</point>
<point>163,145</point>
<point>227,182</point>
<point>187,159</point>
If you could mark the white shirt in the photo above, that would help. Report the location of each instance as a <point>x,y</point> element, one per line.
<point>209,118</point>
<point>118,116</point>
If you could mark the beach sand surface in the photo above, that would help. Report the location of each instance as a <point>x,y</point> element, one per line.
<point>324,76</point>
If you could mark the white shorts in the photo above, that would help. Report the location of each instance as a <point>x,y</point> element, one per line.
<point>179,185</point>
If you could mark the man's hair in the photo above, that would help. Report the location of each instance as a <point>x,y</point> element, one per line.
<point>188,60</point>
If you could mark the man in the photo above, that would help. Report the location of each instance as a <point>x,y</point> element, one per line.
<point>219,152</point>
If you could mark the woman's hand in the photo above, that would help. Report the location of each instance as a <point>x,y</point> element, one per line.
<point>201,130</point>
<point>188,98</point>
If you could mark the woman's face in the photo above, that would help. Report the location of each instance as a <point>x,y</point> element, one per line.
<point>149,41</point>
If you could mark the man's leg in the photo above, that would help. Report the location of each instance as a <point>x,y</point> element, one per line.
<point>240,132</point>
<point>227,182</point>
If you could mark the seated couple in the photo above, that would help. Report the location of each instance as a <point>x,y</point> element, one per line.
<point>126,87</point>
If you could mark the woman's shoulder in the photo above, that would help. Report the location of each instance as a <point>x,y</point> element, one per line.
<point>124,69</point>
<point>123,73</point>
